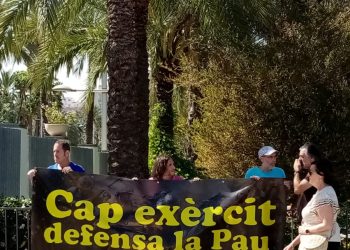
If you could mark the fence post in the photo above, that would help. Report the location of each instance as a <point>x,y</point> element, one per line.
<point>24,161</point>
<point>347,227</point>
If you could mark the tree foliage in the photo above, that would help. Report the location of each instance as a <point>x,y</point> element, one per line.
<point>290,87</point>
<point>253,72</point>
<point>18,103</point>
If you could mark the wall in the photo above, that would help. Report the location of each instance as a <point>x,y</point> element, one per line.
<point>12,153</point>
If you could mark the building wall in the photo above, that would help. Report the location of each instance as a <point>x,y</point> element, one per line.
<point>10,160</point>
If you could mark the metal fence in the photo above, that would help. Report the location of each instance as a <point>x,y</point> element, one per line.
<point>344,223</point>
<point>15,228</point>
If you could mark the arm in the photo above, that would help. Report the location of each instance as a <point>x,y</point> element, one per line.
<point>293,244</point>
<point>300,185</point>
<point>31,173</point>
<point>325,212</point>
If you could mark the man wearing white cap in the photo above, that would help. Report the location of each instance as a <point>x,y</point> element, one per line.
<point>267,156</point>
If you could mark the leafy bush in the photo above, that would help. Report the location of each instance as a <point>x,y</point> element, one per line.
<point>161,143</point>
<point>56,116</point>
<point>75,120</point>
<point>343,220</point>
<point>14,202</point>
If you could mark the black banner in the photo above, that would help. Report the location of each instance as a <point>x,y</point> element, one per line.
<point>77,211</point>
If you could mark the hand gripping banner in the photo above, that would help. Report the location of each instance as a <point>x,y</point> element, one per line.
<point>79,211</point>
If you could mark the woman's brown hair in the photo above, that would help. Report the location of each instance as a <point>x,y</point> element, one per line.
<point>159,166</point>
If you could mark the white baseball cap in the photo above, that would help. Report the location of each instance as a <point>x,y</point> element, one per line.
<point>266,150</point>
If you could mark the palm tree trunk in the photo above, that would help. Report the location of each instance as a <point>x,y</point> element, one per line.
<point>128,110</point>
<point>164,92</point>
<point>168,68</point>
<point>90,123</point>
<point>194,113</point>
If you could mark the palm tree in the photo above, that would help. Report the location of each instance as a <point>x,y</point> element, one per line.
<point>168,40</point>
<point>128,88</point>
<point>54,35</point>
<point>77,40</point>
<point>188,29</point>
<point>18,103</point>
<point>7,98</point>
<point>58,40</point>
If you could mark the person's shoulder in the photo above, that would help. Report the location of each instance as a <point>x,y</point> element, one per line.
<point>328,191</point>
<point>327,194</point>
<point>280,171</point>
<point>76,167</point>
<point>277,168</point>
<point>253,167</point>
<point>53,166</point>
<point>178,178</point>
<point>251,171</point>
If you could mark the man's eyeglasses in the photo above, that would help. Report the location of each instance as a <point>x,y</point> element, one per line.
<point>270,156</point>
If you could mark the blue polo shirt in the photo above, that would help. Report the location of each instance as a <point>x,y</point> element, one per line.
<point>75,167</point>
<point>275,172</point>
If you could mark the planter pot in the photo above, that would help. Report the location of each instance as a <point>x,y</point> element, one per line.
<point>56,129</point>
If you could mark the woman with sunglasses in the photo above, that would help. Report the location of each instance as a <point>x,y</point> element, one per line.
<point>320,214</point>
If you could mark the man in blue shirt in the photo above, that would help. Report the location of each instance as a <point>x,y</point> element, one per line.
<point>267,156</point>
<point>61,156</point>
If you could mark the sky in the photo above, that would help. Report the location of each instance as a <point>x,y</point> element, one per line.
<point>73,80</point>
